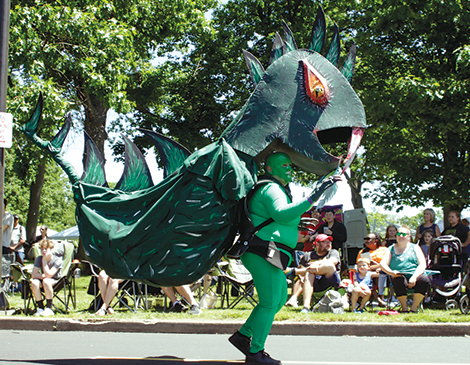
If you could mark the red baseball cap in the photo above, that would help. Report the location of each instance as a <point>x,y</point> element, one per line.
<point>323,237</point>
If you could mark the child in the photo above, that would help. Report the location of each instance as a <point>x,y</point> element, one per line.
<point>47,271</point>
<point>362,285</point>
<point>428,236</point>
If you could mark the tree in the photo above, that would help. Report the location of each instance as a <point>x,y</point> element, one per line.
<point>86,53</point>
<point>413,80</point>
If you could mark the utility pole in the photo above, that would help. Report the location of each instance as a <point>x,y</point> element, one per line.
<point>4,38</point>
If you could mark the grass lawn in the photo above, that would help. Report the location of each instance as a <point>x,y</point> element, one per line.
<point>240,313</point>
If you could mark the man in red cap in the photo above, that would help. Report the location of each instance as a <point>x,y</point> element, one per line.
<point>321,269</point>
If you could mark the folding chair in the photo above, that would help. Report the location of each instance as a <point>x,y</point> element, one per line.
<point>65,283</point>
<point>21,274</point>
<point>7,261</point>
<point>236,276</point>
<point>134,291</point>
<point>128,290</point>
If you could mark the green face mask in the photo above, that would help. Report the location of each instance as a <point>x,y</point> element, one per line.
<point>281,167</point>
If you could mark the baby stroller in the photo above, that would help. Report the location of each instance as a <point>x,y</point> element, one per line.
<point>465,299</point>
<point>445,256</point>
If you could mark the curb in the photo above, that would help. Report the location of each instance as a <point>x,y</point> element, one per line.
<point>368,329</point>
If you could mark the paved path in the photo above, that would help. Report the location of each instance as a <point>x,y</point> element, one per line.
<point>99,348</point>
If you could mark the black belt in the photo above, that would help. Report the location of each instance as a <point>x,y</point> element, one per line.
<point>270,251</point>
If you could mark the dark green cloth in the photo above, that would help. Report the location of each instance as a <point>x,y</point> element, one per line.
<point>170,234</point>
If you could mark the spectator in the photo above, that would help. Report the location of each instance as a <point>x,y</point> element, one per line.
<point>321,269</point>
<point>47,271</point>
<point>429,217</point>
<point>390,235</point>
<point>335,229</point>
<point>8,222</point>
<point>18,239</point>
<point>405,263</point>
<point>374,251</point>
<point>465,222</point>
<point>187,294</point>
<point>108,289</point>
<point>459,230</point>
<point>426,240</point>
<point>362,285</point>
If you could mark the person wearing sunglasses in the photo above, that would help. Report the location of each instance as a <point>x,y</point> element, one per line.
<point>405,263</point>
<point>374,251</point>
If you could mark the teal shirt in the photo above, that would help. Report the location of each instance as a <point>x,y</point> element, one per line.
<point>270,201</point>
<point>406,263</point>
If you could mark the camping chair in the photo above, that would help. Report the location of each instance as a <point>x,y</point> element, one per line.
<point>238,278</point>
<point>22,274</point>
<point>65,284</point>
<point>7,261</point>
<point>128,291</point>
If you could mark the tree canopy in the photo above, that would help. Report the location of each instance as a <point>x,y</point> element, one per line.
<point>413,80</point>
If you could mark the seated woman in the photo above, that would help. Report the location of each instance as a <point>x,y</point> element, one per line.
<point>405,263</point>
<point>108,288</point>
<point>47,271</point>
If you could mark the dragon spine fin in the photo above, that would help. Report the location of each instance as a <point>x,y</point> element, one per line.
<point>289,39</point>
<point>318,32</point>
<point>254,66</point>
<point>136,174</point>
<point>171,152</point>
<point>335,47</point>
<point>93,170</point>
<point>349,63</point>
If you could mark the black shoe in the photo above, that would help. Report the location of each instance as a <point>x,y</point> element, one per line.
<point>241,342</point>
<point>261,358</point>
<point>178,308</point>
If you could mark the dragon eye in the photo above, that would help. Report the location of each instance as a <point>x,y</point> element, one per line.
<point>315,85</point>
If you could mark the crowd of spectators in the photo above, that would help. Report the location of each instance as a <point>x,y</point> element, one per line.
<point>397,256</point>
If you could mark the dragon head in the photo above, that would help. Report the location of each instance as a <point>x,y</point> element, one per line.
<point>301,101</point>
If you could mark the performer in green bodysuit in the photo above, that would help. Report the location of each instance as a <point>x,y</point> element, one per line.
<point>271,200</point>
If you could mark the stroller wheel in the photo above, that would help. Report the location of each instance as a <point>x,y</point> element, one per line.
<point>465,304</point>
<point>452,304</point>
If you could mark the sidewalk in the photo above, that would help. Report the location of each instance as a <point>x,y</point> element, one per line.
<point>228,327</point>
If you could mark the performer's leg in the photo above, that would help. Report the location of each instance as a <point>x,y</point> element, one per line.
<point>271,286</point>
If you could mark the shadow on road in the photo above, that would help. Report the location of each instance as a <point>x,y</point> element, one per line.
<point>160,360</point>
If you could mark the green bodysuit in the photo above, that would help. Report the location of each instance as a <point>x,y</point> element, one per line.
<point>271,285</point>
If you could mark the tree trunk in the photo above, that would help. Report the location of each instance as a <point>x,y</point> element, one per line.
<point>96,111</point>
<point>355,184</point>
<point>34,202</point>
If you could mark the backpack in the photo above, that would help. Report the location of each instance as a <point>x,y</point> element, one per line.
<point>331,302</point>
<point>245,227</point>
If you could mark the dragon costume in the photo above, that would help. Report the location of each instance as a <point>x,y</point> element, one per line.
<point>173,232</point>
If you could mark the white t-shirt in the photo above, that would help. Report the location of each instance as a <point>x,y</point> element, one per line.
<point>17,233</point>
<point>8,220</point>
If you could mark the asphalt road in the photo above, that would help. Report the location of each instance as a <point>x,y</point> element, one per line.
<point>98,348</point>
